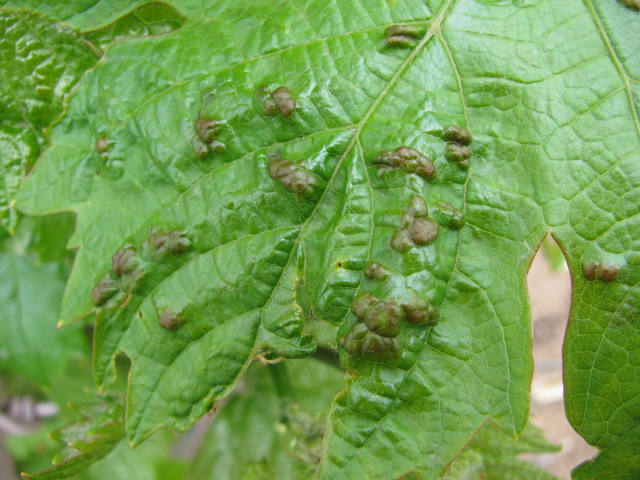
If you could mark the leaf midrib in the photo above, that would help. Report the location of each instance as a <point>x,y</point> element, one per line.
<point>614,58</point>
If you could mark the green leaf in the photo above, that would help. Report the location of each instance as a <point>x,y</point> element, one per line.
<point>30,299</point>
<point>219,225</point>
<point>97,432</point>
<point>267,431</point>
<point>153,19</point>
<point>492,455</point>
<point>41,62</point>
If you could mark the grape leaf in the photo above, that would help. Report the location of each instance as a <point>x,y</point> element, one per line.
<point>257,151</point>
<point>264,432</point>
<point>30,297</point>
<point>40,63</point>
<point>492,454</point>
<point>96,433</point>
<point>153,19</point>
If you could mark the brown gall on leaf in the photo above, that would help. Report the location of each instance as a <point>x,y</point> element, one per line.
<point>280,102</point>
<point>601,271</point>
<point>379,346</point>
<point>352,341</point>
<point>459,154</point>
<point>160,243</point>
<point>402,36</point>
<point>632,4</point>
<point>293,177</point>
<point>362,303</point>
<point>418,207</point>
<point>102,144</point>
<point>385,318</point>
<point>169,320</point>
<point>451,217</point>
<point>200,148</point>
<point>207,128</point>
<point>423,231</point>
<point>458,135</point>
<point>420,312</point>
<point>125,260</point>
<point>401,241</point>
<point>375,271</point>
<point>409,160</point>
<point>104,290</point>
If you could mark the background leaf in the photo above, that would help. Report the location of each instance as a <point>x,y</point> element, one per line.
<point>41,62</point>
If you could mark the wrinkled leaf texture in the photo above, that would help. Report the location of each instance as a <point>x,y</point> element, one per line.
<point>550,91</point>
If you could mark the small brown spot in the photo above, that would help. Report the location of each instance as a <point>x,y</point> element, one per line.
<point>170,320</point>
<point>104,290</point>
<point>161,243</point>
<point>456,153</point>
<point>601,271</point>
<point>102,144</point>
<point>293,177</point>
<point>375,271</point>
<point>207,128</point>
<point>124,261</point>
<point>402,36</point>
<point>281,101</point>
<point>401,241</point>
<point>458,135</point>
<point>408,160</point>
<point>423,231</point>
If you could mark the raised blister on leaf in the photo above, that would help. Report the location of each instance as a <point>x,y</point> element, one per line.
<point>352,341</point>
<point>450,216</point>
<point>601,271</point>
<point>458,135</point>
<point>362,303</point>
<point>280,102</point>
<point>170,320</point>
<point>456,153</point>
<point>420,312</point>
<point>207,128</point>
<point>401,241</point>
<point>379,346</point>
<point>408,160</point>
<point>106,288</point>
<point>403,36</point>
<point>102,144</point>
<point>200,148</point>
<point>418,207</point>
<point>375,271</point>
<point>293,177</point>
<point>632,4</point>
<point>423,231</point>
<point>125,260</point>
<point>385,318</point>
<point>162,243</point>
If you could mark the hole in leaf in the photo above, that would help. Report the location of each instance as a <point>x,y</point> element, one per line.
<point>549,284</point>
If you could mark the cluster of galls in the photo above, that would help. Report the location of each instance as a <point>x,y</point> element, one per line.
<point>278,102</point>
<point>128,267</point>
<point>379,323</point>
<point>407,159</point>
<point>415,228</point>
<point>457,150</point>
<point>205,141</point>
<point>292,176</point>
<point>402,36</point>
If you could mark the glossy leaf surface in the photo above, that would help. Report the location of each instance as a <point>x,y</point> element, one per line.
<point>223,235</point>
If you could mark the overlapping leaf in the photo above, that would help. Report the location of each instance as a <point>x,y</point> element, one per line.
<point>555,126</point>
